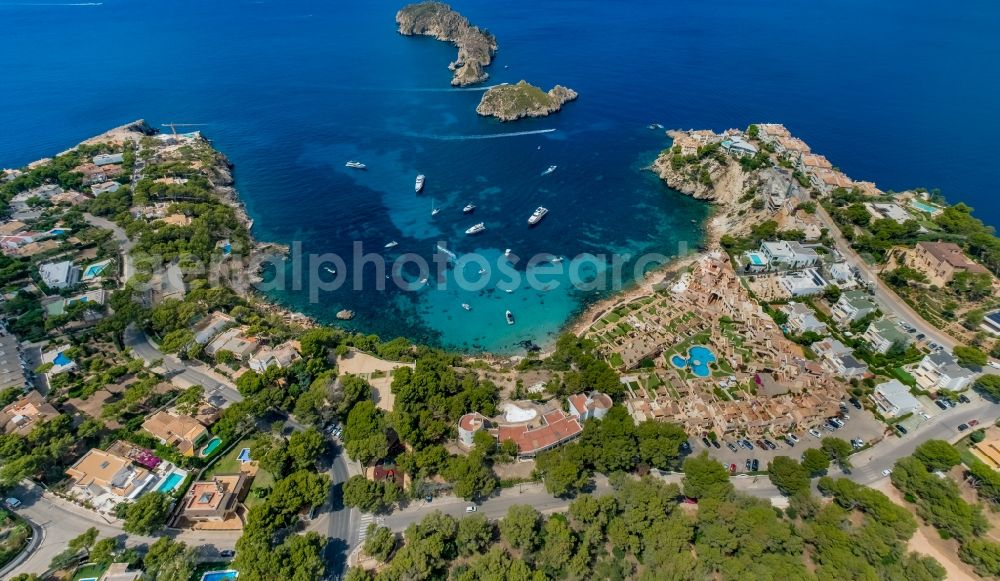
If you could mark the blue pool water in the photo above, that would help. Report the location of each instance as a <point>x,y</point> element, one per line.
<point>756,259</point>
<point>62,359</point>
<point>244,456</point>
<point>94,270</point>
<point>210,446</point>
<point>698,359</point>
<point>924,207</point>
<point>220,575</point>
<point>293,89</point>
<point>170,482</point>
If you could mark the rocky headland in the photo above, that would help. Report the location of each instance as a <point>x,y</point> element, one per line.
<point>510,102</point>
<point>475,45</point>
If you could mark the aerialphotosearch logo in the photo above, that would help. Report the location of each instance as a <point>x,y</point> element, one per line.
<point>366,271</point>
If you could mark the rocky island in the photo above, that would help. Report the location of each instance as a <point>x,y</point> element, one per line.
<point>510,102</point>
<point>475,45</point>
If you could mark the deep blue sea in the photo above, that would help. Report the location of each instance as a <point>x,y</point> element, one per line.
<point>900,93</point>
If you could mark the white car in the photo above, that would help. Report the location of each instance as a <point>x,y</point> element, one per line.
<point>994,365</point>
<point>794,438</point>
<point>471,508</point>
<point>887,472</point>
<point>815,433</point>
<point>12,502</point>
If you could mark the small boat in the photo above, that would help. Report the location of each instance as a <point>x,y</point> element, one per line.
<point>330,270</point>
<point>556,260</point>
<point>419,185</point>
<point>392,244</point>
<point>537,215</point>
<point>466,306</point>
<point>507,253</point>
<point>480,227</point>
<point>435,211</point>
<point>655,126</point>
<point>356,165</point>
<point>483,271</point>
<point>423,280</point>
<point>510,318</point>
<point>551,169</point>
<point>469,209</point>
<point>508,290</point>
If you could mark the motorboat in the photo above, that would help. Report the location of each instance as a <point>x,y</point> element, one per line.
<point>356,165</point>
<point>510,318</point>
<point>537,215</point>
<point>480,227</point>
<point>556,260</point>
<point>507,253</point>
<point>330,270</point>
<point>419,185</point>
<point>483,271</point>
<point>392,244</point>
<point>435,211</point>
<point>468,209</point>
<point>551,169</point>
<point>467,306</point>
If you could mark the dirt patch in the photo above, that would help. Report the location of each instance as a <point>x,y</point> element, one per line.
<point>378,372</point>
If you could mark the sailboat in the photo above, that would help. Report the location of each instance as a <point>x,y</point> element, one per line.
<point>392,244</point>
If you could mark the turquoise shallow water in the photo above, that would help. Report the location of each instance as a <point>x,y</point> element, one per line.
<point>291,90</point>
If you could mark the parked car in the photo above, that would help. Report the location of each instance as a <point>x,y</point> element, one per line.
<point>887,472</point>
<point>227,554</point>
<point>994,365</point>
<point>12,502</point>
<point>921,336</point>
<point>948,402</point>
<point>747,444</point>
<point>732,468</point>
<point>973,423</point>
<point>901,429</point>
<point>761,443</point>
<point>731,447</point>
<point>791,444</point>
<point>857,443</point>
<point>964,398</point>
<point>716,444</point>
<point>748,464</point>
<point>940,404</point>
<point>471,508</point>
<point>855,402</point>
<point>754,465</point>
<point>770,444</point>
<point>793,438</point>
<point>815,433</point>
<point>963,427</point>
<point>685,447</point>
<point>706,442</point>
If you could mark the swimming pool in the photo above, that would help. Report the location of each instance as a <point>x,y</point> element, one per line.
<point>211,446</point>
<point>170,482</point>
<point>698,359</point>
<point>756,259</point>
<point>924,207</point>
<point>220,575</point>
<point>61,359</point>
<point>94,270</point>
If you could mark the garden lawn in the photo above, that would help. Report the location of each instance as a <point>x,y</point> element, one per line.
<point>230,464</point>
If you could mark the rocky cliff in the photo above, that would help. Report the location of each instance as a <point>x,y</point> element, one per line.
<point>475,45</point>
<point>510,102</point>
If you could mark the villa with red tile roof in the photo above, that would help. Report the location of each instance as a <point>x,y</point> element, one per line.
<point>558,429</point>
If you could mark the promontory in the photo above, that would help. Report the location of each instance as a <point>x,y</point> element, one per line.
<point>475,45</point>
<point>510,102</point>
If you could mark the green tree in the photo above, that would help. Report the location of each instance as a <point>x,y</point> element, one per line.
<point>520,527</point>
<point>788,475</point>
<point>471,475</point>
<point>474,534</point>
<point>105,550</point>
<point>148,514</point>
<point>705,477</point>
<point>990,384</point>
<point>305,448</point>
<point>85,540</point>
<point>937,455</point>
<point>368,495</point>
<point>380,542</point>
<point>838,450</point>
<point>970,356</point>
<point>815,461</point>
<point>983,555</point>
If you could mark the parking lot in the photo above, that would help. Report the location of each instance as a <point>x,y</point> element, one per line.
<point>862,425</point>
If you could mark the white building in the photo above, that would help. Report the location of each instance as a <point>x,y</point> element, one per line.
<point>883,334</point>
<point>803,283</point>
<point>584,407</point>
<point>802,319</point>
<point>59,275</point>
<point>108,158</point>
<point>941,371</point>
<point>789,253</point>
<point>894,399</point>
<point>468,425</point>
<point>281,356</point>
<point>889,211</point>
<point>853,306</point>
<point>838,359</point>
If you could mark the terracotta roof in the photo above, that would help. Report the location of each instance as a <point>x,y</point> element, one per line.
<point>471,422</point>
<point>558,428</point>
<point>175,430</point>
<point>952,254</point>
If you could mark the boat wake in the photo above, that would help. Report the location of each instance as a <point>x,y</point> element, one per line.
<point>442,89</point>
<point>484,136</point>
<point>51,4</point>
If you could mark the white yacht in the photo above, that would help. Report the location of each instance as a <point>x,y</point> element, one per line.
<point>551,169</point>
<point>467,306</point>
<point>507,253</point>
<point>392,244</point>
<point>356,165</point>
<point>556,260</point>
<point>537,216</point>
<point>468,209</point>
<point>480,227</point>
<point>419,185</point>
<point>483,271</point>
<point>510,318</point>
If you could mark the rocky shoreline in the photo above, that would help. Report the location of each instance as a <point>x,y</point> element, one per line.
<point>512,102</point>
<point>437,19</point>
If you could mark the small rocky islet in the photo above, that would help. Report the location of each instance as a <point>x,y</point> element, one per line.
<point>476,48</point>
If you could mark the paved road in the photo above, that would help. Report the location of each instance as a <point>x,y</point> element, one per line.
<point>886,298</point>
<point>128,269</point>
<point>189,371</point>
